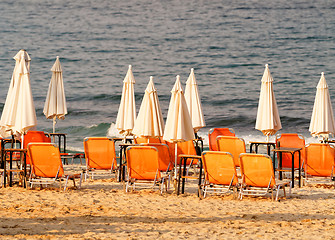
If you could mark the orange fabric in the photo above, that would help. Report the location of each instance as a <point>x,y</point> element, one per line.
<point>100,153</point>
<point>214,133</point>
<point>294,141</point>
<point>186,148</point>
<point>142,162</point>
<point>320,159</point>
<point>165,159</point>
<point>34,137</point>
<point>257,170</point>
<point>219,167</point>
<point>139,140</point>
<point>182,148</point>
<point>233,145</point>
<point>45,160</point>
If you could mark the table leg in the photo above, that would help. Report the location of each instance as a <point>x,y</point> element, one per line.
<point>280,166</point>
<point>200,176</point>
<point>10,167</point>
<point>64,143</point>
<point>3,158</point>
<point>179,176</point>
<point>184,174</point>
<point>299,169</point>
<point>25,170</point>
<point>292,169</point>
<point>251,145</point>
<point>120,167</point>
<point>124,164</point>
<point>274,162</point>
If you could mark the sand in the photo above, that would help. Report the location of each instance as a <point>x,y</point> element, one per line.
<point>102,210</point>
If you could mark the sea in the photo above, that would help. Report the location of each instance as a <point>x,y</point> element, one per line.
<point>227,43</point>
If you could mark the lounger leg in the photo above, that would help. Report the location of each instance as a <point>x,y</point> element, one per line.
<point>241,193</point>
<point>162,186</point>
<point>284,190</point>
<point>290,188</point>
<point>81,178</point>
<point>67,179</point>
<point>277,193</point>
<point>74,182</point>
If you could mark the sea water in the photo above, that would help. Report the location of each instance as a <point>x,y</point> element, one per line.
<point>226,42</point>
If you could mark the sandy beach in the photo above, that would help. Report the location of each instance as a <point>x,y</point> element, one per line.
<point>102,210</point>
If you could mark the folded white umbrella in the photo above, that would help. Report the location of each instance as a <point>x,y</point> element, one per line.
<point>178,125</point>
<point>149,122</point>
<point>268,120</point>
<point>18,114</point>
<point>127,111</point>
<point>55,102</point>
<point>193,102</point>
<point>322,121</point>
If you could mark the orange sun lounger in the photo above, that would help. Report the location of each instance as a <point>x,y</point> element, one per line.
<point>34,137</point>
<point>319,166</point>
<point>214,133</point>
<point>233,145</point>
<point>100,156</point>
<point>220,172</point>
<point>143,164</point>
<point>258,177</point>
<point>46,165</point>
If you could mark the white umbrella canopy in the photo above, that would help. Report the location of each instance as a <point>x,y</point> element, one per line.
<point>149,122</point>
<point>193,102</point>
<point>55,102</point>
<point>178,125</point>
<point>127,111</point>
<point>322,121</point>
<point>18,114</point>
<point>267,120</point>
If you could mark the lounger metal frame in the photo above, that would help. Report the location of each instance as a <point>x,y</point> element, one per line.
<point>160,182</point>
<point>310,179</point>
<point>91,172</point>
<point>220,189</point>
<point>33,179</point>
<point>261,191</point>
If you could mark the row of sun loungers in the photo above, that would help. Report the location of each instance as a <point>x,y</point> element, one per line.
<point>228,167</point>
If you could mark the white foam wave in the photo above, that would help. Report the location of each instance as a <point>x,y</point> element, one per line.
<point>113,131</point>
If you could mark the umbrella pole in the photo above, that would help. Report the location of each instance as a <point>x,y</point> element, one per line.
<point>175,160</point>
<point>54,124</point>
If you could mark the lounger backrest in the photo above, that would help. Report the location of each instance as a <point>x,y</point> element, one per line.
<point>257,170</point>
<point>219,167</point>
<point>139,140</point>
<point>319,159</point>
<point>100,153</point>
<point>214,133</point>
<point>45,160</point>
<point>233,145</point>
<point>142,162</point>
<point>33,137</point>
<point>292,140</point>
<point>165,159</point>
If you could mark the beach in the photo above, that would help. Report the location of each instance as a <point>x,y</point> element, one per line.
<point>102,210</point>
<point>227,44</point>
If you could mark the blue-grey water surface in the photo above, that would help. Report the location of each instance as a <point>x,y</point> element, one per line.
<point>226,42</point>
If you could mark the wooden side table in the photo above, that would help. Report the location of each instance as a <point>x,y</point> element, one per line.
<point>10,170</point>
